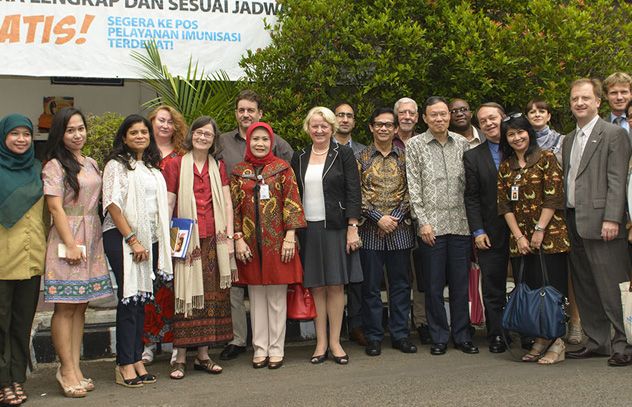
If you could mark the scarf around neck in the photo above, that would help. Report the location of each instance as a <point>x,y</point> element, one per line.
<point>20,175</point>
<point>547,138</point>
<point>188,285</point>
<point>138,277</point>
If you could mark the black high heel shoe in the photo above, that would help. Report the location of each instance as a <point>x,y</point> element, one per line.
<point>341,360</point>
<point>316,360</point>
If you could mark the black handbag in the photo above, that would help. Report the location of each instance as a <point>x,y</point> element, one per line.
<point>537,313</point>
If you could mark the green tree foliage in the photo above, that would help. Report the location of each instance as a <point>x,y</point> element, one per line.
<point>101,132</point>
<point>371,52</point>
<point>197,94</point>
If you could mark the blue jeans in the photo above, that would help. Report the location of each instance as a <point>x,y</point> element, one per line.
<point>397,271</point>
<point>447,262</point>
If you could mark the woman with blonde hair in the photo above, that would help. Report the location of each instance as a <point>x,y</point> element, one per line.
<point>329,183</point>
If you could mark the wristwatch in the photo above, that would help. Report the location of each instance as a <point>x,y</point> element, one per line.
<point>538,228</point>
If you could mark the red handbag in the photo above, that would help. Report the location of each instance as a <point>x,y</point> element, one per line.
<point>477,309</point>
<point>300,303</point>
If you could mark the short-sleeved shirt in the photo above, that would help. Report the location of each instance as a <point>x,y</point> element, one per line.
<point>201,191</point>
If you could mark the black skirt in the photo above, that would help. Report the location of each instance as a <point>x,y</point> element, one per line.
<point>324,257</point>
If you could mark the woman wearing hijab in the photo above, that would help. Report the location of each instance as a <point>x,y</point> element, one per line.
<point>135,237</point>
<point>197,187</point>
<point>22,251</point>
<point>268,211</point>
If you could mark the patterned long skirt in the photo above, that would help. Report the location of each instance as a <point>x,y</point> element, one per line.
<point>213,324</point>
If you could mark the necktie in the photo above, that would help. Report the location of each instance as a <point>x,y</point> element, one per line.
<point>576,157</point>
<point>619,121</point>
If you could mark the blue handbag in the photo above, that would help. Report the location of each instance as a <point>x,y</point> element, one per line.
<point>537,313</point>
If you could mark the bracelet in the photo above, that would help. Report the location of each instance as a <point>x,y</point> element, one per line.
<point>538,228</point>
<point>519,237</point>
<point>132,240</point>
<point>353,225</point>
<point>289,241</point>
<point>129,236</point>
<point>237,236</point>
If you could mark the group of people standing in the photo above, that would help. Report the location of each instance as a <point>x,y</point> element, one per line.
<point>334,214</point>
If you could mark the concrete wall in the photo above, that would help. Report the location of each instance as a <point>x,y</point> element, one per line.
<point>24,95</point>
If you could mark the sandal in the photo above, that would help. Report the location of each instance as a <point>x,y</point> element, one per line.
<point>8,397</point>
<point>207,365</point>
<point>87,383</point>
<point>73,392</point>
<point>536,351</point>
<point>18,389</point>
<point>575,335</point>
<point>179,368</point>
<point>148,355</point>
<point>555,354</point>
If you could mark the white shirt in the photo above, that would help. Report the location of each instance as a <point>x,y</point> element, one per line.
<point>313,196</point>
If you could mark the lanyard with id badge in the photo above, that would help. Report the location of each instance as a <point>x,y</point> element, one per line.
<point>515,188</point>
<point>264,189</point>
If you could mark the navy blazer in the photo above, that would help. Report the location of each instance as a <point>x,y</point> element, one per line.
<point>341,183</point>
<point>481,193</point>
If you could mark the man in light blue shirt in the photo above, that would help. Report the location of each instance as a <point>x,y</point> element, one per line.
<point>618,89</point>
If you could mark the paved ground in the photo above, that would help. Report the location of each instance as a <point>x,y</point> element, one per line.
<point>392,379</point>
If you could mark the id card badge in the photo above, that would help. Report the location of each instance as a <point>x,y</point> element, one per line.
<point>514,192</point>
<point>264,191</point>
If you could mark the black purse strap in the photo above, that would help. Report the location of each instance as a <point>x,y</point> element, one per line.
<point>545,274</point>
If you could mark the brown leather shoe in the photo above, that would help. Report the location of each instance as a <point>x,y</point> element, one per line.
<point>619,359</point>
<point>583,353</point>
<point>357,335</point>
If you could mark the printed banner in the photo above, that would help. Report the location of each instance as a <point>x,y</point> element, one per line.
<point>94,38</point>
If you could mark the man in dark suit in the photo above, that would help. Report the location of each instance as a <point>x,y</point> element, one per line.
<point>490,232</point>
<point>345,116</point>
<point>596,156</point>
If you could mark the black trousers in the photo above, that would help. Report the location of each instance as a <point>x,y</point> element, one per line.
<point>493,264</point>
<point>18,302</point>
<point>130,317</point>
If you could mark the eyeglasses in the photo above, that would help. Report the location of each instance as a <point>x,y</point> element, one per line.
<point>386,125</point>
<point>344,114</point>
<point>512,116</point>
<point>460,110</point>
<point>201,133</point>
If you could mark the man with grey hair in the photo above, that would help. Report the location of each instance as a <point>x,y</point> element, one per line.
<point>407,115</point>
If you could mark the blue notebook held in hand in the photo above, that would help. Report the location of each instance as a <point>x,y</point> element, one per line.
<point>180,236</point>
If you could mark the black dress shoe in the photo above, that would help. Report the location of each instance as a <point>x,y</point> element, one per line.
<point>619,359</point>
<point>231,352</point>
<point>424,334</point>
<point>373,348</point>
<point>583,353</point>
<point>466,347</point>
<point>496,345</point>
<point>438,348</point>
<point>405,345</point>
